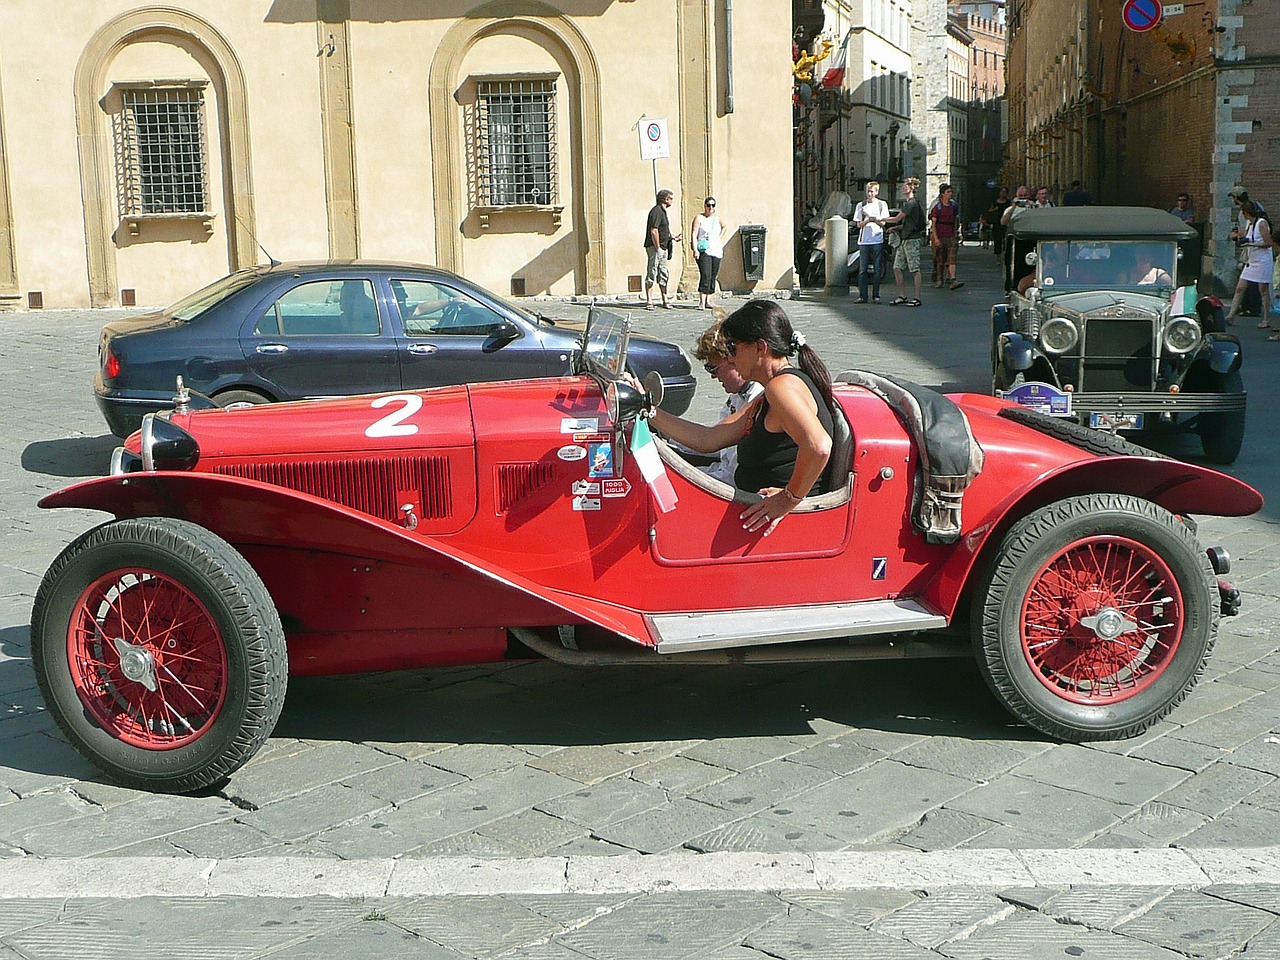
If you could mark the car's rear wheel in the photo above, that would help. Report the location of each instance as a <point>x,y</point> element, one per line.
<point>1222,434</point>
<point>159,653</point>
<point>234,399</point>
<point>1097,617</point>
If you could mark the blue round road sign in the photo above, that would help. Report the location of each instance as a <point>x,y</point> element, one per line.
<point>1142,15</point>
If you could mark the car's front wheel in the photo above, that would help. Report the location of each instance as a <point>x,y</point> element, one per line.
<point>159,653</point>
<point>1097,617</point>
<point>1222,434</point>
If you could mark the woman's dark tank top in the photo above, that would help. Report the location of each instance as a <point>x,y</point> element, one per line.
<point>767,459</point>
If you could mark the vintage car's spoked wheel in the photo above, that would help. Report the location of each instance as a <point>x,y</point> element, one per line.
<point>159,653</point>
<point>1097,618</point>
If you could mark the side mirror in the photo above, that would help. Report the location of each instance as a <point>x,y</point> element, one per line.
<point>654,389</point>
<point>500,336</point>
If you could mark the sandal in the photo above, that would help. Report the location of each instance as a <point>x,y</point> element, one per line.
<point>1274,336</point>
<point>957,284</point>
<point>648,306</point>
<point>913,302</point>
<point>1264,325</point>
<point>898,301</point>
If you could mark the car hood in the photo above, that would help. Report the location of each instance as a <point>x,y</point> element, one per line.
<point>1087,301</point>
<point>139,324</point>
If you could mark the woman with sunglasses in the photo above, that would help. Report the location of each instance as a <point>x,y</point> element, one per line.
<point>707,241</point>
<point>784,437</point>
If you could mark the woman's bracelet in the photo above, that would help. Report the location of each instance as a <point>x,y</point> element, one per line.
<point>786,492</point>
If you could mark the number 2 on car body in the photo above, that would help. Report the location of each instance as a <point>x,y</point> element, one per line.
<point>393,425</point>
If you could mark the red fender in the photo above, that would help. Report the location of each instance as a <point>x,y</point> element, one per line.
<point>1181,488</point>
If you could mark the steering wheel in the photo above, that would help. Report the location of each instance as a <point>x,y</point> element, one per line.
<point>451,315</point>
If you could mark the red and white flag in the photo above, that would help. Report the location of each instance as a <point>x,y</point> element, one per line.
<point>655,474</point>
<point>834,77</point>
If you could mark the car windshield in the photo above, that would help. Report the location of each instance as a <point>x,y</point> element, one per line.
<point>190,307</point>
<point>1094,264</point>
<point>605,343</point>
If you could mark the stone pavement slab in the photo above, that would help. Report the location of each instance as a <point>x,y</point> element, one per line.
<point>1198,924</point>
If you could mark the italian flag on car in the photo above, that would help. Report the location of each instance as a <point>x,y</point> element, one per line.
<point>1183,302</point>
<point>655,474</point>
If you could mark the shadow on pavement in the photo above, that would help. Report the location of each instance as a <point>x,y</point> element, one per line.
<point>71,456</point>
<point>596,706</point>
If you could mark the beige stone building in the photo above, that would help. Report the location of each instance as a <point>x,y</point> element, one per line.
<point>146,149</point>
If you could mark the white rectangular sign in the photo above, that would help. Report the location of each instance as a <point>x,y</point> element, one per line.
<point>1173,9</point>
<point>654,144</point>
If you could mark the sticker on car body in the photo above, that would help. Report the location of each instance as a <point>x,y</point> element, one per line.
<point>585,503</point>
<point>393,425</point>
<point>617,487</point>
<point>571,452</point>
<point>580,425</point>
<point>585,488</point>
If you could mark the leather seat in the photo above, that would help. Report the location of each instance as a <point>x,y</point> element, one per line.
<point>841,460</point>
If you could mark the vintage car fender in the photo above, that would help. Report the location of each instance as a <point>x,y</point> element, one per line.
<point>1224,351</point>
<point>1000,319</point>
<point>1016,351</point>
<point>1181,488</point>
<point>249,514</point>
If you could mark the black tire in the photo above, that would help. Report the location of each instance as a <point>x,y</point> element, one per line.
<point>231,608</point>
<point>1080,555</point>
<point>1222,434</point>
<point>1086,438</point>
<point>231,399</point>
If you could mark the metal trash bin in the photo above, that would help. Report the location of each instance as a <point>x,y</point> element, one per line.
<point>753,240</point>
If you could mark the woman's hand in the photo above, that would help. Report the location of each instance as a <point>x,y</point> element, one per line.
<point>768,513</point>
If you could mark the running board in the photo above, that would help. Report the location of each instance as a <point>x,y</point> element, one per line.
<point>682,632</point>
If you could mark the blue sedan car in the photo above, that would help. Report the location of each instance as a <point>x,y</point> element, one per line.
<point>293,331</point>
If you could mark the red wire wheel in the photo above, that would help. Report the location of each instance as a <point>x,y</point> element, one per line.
<point>147,659</point>
<point>1094,616</point>
<point>1102,620</point>
<point>159,653</point>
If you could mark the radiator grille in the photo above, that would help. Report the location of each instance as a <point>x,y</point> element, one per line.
<point>1119,355</point>
<point>370,485</point>
<point>515,481</point>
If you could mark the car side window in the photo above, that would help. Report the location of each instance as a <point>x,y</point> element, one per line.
<point>435,310</point>
<point>322,308</point>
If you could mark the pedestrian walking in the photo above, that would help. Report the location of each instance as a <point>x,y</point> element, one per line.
<point>910,224</point>
<point>1257,244</point>
<point>658,246</point>
<point>998,222</point>
<point>707,241</point>
<point>945,217</point>
<point>869,217</point>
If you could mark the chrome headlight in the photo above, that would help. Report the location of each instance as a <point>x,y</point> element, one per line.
<point>1181,334</point>
<point>1058,335</point>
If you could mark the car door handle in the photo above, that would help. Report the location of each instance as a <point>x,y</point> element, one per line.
<point>272,348</point>
<point>423,349</point>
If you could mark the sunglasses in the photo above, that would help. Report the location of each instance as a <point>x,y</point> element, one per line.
<point>709,204</point>
<point>711,368</point>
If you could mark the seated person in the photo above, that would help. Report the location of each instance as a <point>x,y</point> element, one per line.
<point>1052,269</point>
<point>1146,271</point>
<point>784,436</point>
<point>356,307</point>
<point>713,353</point>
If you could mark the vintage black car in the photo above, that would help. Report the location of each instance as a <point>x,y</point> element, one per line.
<point>1103,325</point>
<point>293,331</point>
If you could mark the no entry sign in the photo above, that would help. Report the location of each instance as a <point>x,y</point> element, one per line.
<point>1142,15</point>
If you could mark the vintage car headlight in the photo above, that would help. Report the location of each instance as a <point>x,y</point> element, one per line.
<point>1059,335</point>
<point>1181,334</point>
<point>166,446</point>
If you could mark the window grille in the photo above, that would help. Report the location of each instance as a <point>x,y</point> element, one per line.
<point>160,148</point>
<point>516,142</point>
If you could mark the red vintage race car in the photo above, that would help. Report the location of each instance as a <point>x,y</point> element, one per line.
<point>477,523</point>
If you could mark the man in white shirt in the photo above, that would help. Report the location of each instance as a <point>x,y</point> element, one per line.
<point>869,217</point>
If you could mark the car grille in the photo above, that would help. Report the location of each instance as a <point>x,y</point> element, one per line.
<point>515,481</point>
<point>1116,355</point>
<point>371,485</point>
